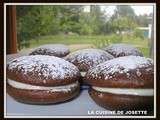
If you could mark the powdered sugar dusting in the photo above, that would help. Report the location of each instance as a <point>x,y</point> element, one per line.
<point>51,49</point>
<point>138,72</point>
<point>44,67</point>
<point>118,50</point>
<point>87,58</point>
<point>121,65</point>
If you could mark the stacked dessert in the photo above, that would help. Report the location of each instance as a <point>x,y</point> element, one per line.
<point>118,75</point>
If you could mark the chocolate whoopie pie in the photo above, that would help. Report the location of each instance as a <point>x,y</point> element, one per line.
<point>40,79</point>
<point>123,83</point>
<point>58,50</point>
<point>119,50</point>
<point>87,58</point>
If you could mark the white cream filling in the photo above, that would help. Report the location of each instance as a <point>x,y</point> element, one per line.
<point>126,91</point>
<point>64,88</point>
<point>83,74</point>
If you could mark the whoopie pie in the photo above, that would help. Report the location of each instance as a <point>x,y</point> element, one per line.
<point>58,50</point>
<point>40,79</point>
<point>85,59</point>
<point>123,83</point>
<point>121,49</point>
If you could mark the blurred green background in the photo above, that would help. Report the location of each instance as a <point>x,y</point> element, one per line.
<point>72,25</point>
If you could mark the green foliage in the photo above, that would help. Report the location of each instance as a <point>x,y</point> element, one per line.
<point>142,20</point>
<point>36,21</point>
<point>87,24</point>
<point>123,23</point>
<point>138,33</point>
<point>112,38</point>
<point>124,19</point>
<point>124,11</point>
<point>92,22</point>
<point>33,22</point>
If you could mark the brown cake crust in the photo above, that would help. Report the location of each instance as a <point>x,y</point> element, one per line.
<point>58,50</point>
<point>30,79</point>
<point>87,58</point>
<point>122,102</point>
<point>117,75</point>
<point>42,70</point>
<point>41,96</point>
<point>119,50</point>
<point>145,80</point>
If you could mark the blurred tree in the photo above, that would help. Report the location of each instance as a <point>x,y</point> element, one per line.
<point>99,18</point>
<point>92,22</point>
<point>124,11</point>
<point>123,19</point>
<point>34,21</point>
<point>23,32</point>
<point>142,20</point>
<point>69,18</point>
<point>123,24</point>
<point>87,24</point>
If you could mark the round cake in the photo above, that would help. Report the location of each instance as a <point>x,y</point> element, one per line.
<point>40,79</point>
<point>123,83</point>
<point>87,58</point>
<point>58,50</point>
<point>119,50</point>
